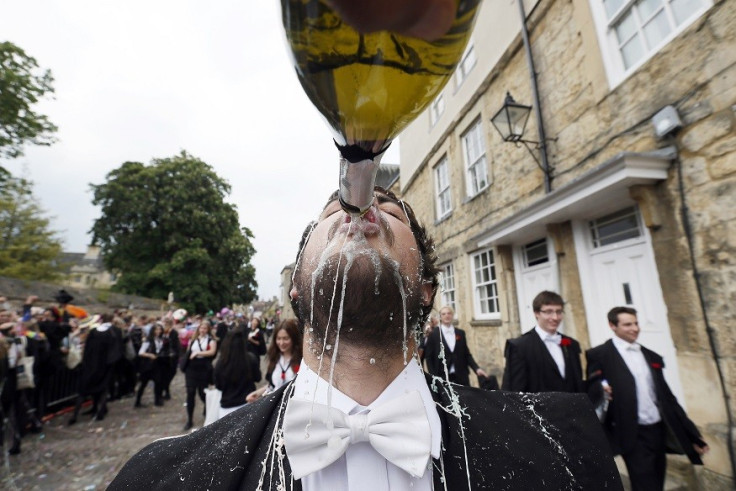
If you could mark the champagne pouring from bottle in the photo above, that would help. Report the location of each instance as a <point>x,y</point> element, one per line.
<point>368,86</point>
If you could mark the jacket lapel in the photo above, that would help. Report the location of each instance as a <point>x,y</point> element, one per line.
<point>542,353</point>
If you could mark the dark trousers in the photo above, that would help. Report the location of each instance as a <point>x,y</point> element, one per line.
<point>155,375</point>
<point>647,461</point>
<point>169,372</point>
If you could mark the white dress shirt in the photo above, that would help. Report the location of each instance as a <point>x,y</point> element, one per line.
<point>448,333</point>
<point>646,398</point>
<point>361,467</point>
<point>552,343</point>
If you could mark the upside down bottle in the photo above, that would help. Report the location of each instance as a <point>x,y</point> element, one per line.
<point>368,87</point>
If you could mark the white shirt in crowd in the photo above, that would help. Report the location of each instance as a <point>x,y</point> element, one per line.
<point>289,374</point>
<point>361,468</point>
<point>448,333</point>
<point>646,398</point>
<point>200,344</point>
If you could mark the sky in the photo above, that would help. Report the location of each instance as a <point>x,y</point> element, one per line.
<point>139,80</point>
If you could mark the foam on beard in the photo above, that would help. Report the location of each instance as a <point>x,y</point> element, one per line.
<point>372,307</point>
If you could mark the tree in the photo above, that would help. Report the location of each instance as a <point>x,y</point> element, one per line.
<point>22,85</point>
<point>28,249</point>
<point>166,227</point>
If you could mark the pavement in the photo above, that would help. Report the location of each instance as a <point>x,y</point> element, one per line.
<point>88,455</point>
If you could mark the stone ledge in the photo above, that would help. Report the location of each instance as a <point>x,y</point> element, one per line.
<point>486,323</point>
<point>95,300</point>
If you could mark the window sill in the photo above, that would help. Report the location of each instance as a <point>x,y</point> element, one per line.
<point>486,323</point>
<point>468,199</point>
<point>445,217</point>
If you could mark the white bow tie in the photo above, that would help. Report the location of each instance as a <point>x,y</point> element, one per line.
<point>553,338</point>
<point>398,430</point>
<point>633,347</point>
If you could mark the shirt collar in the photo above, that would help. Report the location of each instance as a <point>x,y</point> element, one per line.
<point>623,345</point>
<point>310,387</point>
<point>544,334</point>
<point>447,329</point>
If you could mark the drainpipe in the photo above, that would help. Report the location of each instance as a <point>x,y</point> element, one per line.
<point>535,97</point>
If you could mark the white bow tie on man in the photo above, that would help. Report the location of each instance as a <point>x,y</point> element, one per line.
<point>316,435</point>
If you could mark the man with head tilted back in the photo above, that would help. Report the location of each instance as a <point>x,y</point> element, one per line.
<point>361,414</point>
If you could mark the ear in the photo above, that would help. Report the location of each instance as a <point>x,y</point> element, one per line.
<point>426,293</point>
<point>613,327</point>
<point>294,294</point>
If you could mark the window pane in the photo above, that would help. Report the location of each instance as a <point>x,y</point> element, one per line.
<point>612,6</point>
<point>683,9</point>
<point>657,29</point>
<point>536,253</point>
<point>647,8</point>
<point>632,51</point>
<point>615,227</point>
<point>626,28</point>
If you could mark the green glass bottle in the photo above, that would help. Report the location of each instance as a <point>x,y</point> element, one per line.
<point>369,87</point>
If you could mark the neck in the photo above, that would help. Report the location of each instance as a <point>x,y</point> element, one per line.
<point>355,375</point>
<point>548,330</point>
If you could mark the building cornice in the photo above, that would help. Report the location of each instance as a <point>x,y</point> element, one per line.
<point>601,190</point>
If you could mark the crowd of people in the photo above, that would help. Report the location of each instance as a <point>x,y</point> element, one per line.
<point>624,381</point>
<point>119,354</point>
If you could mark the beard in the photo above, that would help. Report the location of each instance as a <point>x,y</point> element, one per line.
<point>363,297</point>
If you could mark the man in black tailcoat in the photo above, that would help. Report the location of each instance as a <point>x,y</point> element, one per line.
<point>360,413</point>
<point>544,360</point>
<point>643,413</point>
<point>447,349</point>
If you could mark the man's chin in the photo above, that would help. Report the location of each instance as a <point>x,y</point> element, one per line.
<point>367,308</point>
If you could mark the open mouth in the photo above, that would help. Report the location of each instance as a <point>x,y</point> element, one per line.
<point>367,224</point>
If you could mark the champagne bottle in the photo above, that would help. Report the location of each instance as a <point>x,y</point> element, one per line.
<point>369,87</point>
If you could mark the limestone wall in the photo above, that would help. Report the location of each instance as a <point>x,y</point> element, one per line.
<point>590,123</point>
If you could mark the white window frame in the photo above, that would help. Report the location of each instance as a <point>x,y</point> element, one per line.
<point>479,287</point>
<point>447,284</point>
<point>442,191</point>
<point>467,62</point>
<point>476,165</point>
<point>436,108</point>
<point>613,60</point>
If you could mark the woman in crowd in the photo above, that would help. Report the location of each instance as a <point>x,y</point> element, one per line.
<point>236,372</point>
<point>256,343</point>
<point>284,357</point>
<point>198,370</point>
<point>151,363</point>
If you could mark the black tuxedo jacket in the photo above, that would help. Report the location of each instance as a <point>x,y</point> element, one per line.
<point>461,357</point>
<point>621,423</point>
<point>530,367</point>
<point>512,442</point>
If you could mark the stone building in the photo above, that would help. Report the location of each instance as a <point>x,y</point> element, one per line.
<point>625,212</point>
<point>86,270</point>
<point>286,311</point>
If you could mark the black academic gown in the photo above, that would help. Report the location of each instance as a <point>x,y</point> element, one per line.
<point>461,356</point>
<point>513,442</point>
<point>530,367</point>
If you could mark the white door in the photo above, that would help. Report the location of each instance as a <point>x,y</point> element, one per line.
<point>535,266</point>
<point>617,268</point>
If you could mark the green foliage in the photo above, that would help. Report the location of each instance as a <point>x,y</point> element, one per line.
<point>22,85</point>
<point>166,227</point>
<point>28,249</point>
